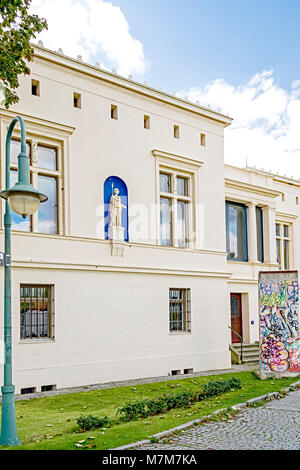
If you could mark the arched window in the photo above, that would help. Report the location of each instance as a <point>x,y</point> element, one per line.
<point>110,184</point>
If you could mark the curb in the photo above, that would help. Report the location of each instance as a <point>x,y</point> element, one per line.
<point>189,424</point>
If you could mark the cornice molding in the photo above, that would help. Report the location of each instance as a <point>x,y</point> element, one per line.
<point>173,158</point>
<point>285,216</point>
<point>251,188</point>
<point>288,181</point>
<point>112,78</point>
<point>38,123</point>
<point>42,264</point>
<point>268,174</point>
<point>99,241</point>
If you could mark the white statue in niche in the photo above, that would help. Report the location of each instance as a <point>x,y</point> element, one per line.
<point>115,230</point>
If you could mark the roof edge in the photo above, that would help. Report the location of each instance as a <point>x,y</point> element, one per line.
<point>275,176</point>
<point>129,84</point>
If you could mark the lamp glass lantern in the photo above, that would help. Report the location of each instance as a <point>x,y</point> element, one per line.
<point>23,199</point>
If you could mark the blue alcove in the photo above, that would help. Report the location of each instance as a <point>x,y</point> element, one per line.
<point>110,184</point>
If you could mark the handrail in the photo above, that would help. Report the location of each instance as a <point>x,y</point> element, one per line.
<point>241,337</point>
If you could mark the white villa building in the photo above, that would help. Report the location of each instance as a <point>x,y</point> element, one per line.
<point>94,303</point>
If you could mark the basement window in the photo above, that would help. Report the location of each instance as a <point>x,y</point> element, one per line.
<point>188,371</point>
<point>203,140</point>
<point>48,388</point>
<point>176,132</point>
<point>77,100</point>
<point>114,112</point>
<point>26,391</point>
<point>35,87</point>
<point>176,372</point>
<point>146,122</point>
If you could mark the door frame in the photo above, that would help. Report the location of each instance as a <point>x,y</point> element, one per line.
<point>234,337</point>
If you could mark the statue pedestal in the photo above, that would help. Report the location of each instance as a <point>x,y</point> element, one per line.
<point>116,236</point>
<point>117,248</point>
<point>116,233</point>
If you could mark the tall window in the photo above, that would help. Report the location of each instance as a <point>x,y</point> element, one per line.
<point>175,200</point>
<point>180,309</point>
<point>44,174</point>
<point>260,234</point>
<point>283,241</point>
<point>37,311</point>
<point>236,231</point>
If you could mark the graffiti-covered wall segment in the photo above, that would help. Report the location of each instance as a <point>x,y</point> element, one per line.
<point>279,322</point>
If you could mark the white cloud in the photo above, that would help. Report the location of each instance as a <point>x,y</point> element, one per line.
<point>266,127</point>
<point>92,29</point>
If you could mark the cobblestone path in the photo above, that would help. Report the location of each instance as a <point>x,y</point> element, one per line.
<point>273,426</point>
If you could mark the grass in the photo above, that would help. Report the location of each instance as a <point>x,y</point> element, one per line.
<point>50,423</point>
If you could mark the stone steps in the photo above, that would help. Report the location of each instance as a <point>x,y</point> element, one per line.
<point>250,352</point>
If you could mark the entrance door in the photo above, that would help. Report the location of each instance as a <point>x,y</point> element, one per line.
<point>236,317</point>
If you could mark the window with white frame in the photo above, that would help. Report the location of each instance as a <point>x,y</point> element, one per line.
<point>283,245</point>
<point>175,208</point>
<point>46,176</point>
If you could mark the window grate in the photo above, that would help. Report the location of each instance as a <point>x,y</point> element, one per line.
<point>180,310</point>
<point>48,388</point>
<point>37,311</point>
<point>25,391</point>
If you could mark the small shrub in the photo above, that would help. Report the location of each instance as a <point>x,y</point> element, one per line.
<point>144,408</point>
<point>85,423</point>
<point>156,406</point>
<point>220,386</point>
<point>133,410</point>
<point>178,400</point>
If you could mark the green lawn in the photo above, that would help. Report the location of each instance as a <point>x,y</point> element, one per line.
<point>50,423</point>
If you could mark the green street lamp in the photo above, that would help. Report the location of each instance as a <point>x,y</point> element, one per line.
<point>24,199</point>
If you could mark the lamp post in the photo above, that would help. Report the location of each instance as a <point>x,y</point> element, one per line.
<point>24,199</point>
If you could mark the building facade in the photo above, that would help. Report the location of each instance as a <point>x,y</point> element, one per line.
<point>262,230</point>
<point>88,309</point>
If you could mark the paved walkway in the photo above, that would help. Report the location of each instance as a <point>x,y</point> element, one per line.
<point>274,426</point>
<point>126,383</point>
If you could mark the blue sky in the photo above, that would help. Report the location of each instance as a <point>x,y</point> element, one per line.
<point>240,57</point>
<point>192,42</point>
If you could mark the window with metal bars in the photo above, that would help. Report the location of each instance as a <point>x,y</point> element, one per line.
<point>180,309</point>
<point>37,311</point>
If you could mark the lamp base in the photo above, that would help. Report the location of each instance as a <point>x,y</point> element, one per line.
<point>9,433</point>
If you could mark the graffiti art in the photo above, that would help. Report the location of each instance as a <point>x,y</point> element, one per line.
<point>279,322</point>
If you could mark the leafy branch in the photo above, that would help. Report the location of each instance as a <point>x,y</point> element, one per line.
<point>17,29</point>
